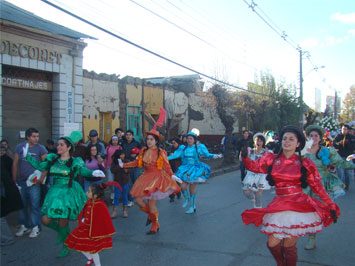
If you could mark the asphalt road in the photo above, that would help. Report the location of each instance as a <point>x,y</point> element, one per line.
<point>215,235</point>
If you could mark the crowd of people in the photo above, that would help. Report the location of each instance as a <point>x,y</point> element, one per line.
<point>53,184</point>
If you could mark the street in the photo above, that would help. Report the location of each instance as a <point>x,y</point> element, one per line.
<point>214,235</point>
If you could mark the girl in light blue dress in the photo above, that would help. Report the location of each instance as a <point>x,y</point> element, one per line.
<point>192,171</point>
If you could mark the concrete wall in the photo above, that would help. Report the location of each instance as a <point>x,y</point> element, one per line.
<point>197,110</point>
<point>99,96</point>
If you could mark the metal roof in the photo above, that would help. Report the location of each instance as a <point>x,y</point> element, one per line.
<point>18,15</point>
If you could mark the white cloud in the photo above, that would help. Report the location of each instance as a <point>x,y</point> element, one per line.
<point>348,18</point>
<point>332,40</point>
<point>310,43</point>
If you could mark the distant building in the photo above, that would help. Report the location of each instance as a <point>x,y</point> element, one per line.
<point>317,100</point>
<point>330,106</point>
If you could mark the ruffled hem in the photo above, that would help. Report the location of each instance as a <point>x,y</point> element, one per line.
<point>154,185</point>
<point>197,173</point>
<point>159,195</point>
<point>255,182</point>
<point>291,223</point>
<point>79,240</point>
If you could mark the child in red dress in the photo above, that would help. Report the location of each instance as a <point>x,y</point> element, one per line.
<point>95,229</point>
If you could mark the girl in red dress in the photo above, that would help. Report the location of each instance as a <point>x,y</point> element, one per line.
<point>95,229</point>
<point>291,213</point>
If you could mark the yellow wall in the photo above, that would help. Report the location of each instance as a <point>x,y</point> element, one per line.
<point>153,99</point>
<point>89,124</point>
<point>99,97</point>
<point>134,94</point>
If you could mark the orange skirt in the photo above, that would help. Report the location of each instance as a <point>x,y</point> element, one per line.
<point>154,184</point>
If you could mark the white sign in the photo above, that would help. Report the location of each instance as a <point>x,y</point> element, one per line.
<point>70,127</point>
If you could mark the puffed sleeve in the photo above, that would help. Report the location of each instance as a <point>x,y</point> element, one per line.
<point>177,154</point>
<point>41,165</point>
<point>337,160</point>
<point>203,151</point>
<point>260,165</point>
<point>315,183</point>
<point>81,169</point>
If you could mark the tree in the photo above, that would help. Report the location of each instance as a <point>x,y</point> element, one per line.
<point>348,111</point>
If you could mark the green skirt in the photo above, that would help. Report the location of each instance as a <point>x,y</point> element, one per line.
<point>62,201</point>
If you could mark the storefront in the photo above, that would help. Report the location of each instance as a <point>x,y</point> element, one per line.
<point>41,77</point>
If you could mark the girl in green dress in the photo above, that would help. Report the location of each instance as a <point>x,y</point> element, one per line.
<point>323,157</point>
<point>65,198</point>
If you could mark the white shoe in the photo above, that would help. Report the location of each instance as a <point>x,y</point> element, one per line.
<point>22,230</point>
<point>34,232</point>
<point>130,203</point>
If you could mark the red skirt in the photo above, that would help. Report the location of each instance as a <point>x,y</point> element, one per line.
<point>295,203</point>
<point>79,240</point>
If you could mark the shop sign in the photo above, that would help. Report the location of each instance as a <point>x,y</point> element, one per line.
<point>26,83</point>
<point>31,52</point>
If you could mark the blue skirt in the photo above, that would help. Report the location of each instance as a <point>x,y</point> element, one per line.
<point>197,173</point>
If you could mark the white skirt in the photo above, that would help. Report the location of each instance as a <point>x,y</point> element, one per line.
<point>255,182</point>
<point>291,224</point>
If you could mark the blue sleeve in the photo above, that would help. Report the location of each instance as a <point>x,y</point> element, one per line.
<point>202,150</point>
<point>177,154</point>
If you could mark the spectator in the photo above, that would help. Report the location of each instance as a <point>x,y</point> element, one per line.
<point>4,143</point>
<point>345,144</point>
<point>80,150</point>
<point>174,164</point>
<point>110,150</point>
<point>94,139</point>
<point>245,141</point>
<point>121,176</point>
<point>30,215</point>
<point>120,134</point>
<point>50,146</point>
<point>128,145</point>
<point>10,197</point>
<point>93,161</point>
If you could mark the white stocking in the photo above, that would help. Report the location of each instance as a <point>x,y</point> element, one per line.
<point>87,255</point>
<point>96,258</point>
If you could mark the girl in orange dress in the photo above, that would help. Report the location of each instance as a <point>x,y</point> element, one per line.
<point>156,182</point>
<point>95,229</point>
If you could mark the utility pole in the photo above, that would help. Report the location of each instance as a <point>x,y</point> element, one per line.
<point>301,90</point>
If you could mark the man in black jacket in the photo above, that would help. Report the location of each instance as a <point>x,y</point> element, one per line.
<point>345,144</point>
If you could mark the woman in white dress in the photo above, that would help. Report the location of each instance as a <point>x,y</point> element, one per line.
<point>254,184</point>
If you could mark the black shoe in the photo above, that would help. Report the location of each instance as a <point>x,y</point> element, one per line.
<point>171,200</point>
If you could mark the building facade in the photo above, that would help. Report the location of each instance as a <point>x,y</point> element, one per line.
<point>41,77</point>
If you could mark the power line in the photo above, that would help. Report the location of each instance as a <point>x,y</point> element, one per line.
<point>147,50</point>
<point>172,23</point>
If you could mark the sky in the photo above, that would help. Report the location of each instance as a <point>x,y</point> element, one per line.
<point>225,39</point>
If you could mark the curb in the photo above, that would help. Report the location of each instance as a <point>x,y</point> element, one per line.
<point>224,170</point>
